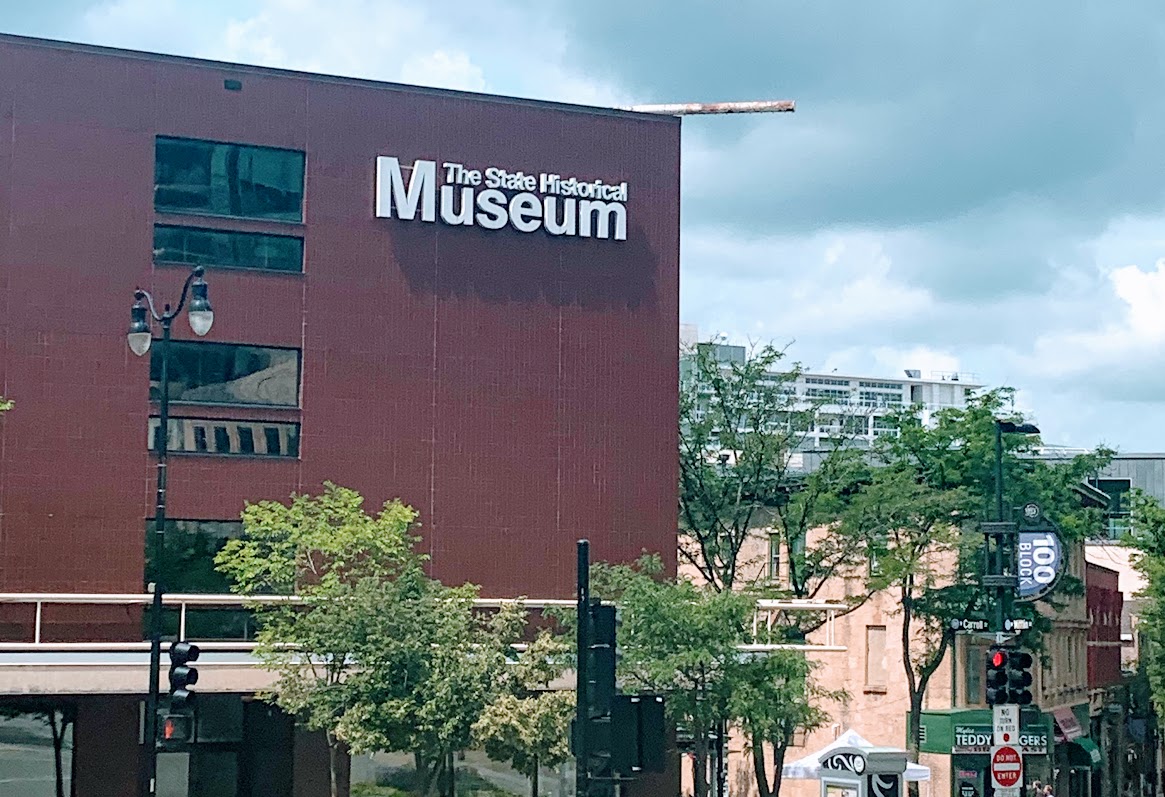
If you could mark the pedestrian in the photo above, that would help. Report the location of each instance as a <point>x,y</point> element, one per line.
<point>1048,791</point>
<point>1037,789</point>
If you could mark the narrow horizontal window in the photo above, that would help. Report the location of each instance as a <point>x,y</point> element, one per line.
<point>195,246</point>
<point>227,373</point>
<point>192,176</point>
<point>224,438</point>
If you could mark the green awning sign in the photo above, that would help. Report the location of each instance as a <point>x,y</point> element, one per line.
<point>980,738</point>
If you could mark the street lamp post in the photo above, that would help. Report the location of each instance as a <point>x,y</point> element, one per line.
<point>139,338</point>
<point>1002,566</point>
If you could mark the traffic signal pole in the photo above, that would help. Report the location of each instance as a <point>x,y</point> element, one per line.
<point>1000,578</point>
<point>582,754</point>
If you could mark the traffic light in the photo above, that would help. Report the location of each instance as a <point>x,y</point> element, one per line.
<point>601,661</point>
<point>997,693</point>
<point>640,732</point>
<point>600,692</point>
<point>1009,677</point>
<point>182,675</point>
<point>175,729</point>
<point>1019,677</point>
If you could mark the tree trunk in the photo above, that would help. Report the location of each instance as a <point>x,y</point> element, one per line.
<point>758,766</point>
<point>779,751</point>
<point>341,774</point>
<point>534,779</point>
<point>421,768</point>
<point>914,734</point>
<point>700,765</point>
<point>58,741</point>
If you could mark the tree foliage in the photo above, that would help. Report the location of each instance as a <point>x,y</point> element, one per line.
<point>371,651</point>
<point>527,724</point>
<point>742,425</point>
<point>1147,536</point>
<point>774,697</point>
<point>683,640</point>
<point>932,484</point>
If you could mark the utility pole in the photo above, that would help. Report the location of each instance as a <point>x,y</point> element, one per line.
<point>581,714</point>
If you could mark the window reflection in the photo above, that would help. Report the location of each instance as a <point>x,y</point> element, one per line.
<point>194,246</point>
<point>193,176</point>
<point>230,437</point>
<point>224,373</point>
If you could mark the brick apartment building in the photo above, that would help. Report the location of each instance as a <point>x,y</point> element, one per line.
<point>497,348</point>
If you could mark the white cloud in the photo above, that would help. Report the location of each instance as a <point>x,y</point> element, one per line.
<point>948,259</point>
<point>443,69</point>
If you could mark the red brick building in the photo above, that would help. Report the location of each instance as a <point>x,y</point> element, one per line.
<point>1105,603</point>
<point>464,301</point>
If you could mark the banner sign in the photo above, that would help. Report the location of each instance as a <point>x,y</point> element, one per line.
<point>980,739</point>
<point>1040,557</point>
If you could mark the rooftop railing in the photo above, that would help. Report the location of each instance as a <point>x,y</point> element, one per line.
<point>769,618</point>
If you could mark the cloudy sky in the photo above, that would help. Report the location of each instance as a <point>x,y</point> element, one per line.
<point>965,186</point>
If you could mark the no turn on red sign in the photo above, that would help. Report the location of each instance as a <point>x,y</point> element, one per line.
<point>1006,770</point>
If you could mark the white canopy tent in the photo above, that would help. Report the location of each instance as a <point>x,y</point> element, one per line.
<point>808,767</point>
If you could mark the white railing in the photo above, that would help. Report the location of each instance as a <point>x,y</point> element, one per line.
<point>769,615</point>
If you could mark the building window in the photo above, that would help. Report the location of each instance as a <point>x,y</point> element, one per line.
<point>227,373</point>
<point>1119,505</point>
<point>975,663</point>
<point>774,557</point>
<point>228,437</point>
<point>188,556</point>
<point>875,658</point>
<point>237,180</point>
<point>195,246</point>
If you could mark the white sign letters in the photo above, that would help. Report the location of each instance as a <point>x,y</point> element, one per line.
<point>494,198</point>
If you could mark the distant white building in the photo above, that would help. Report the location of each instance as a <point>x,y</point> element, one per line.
<point>855,407</point>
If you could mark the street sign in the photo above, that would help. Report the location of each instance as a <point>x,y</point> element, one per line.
<point>1017,625</point>
<point>968,625</point>
<point>1006,724</point>
<point>1040,557</point>
<point>1006,771</point>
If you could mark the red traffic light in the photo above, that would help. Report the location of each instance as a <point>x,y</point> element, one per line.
<point>998,658</point>
<point>175,728</point>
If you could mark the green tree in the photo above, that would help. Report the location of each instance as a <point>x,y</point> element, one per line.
<point>527,725</point>
<point>1147,536</point>
<point>359,589</point>
<point>774,697</point>
<point>918,556</point>
<point>457,660</point>
<point>682,641</point>
<point>933,482</point>
<point>743,475</point>
<point>741,426</point>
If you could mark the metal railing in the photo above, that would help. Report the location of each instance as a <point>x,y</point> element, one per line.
<point>768,617</point>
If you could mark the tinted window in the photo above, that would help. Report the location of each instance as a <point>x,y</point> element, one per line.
<point>193,246</point>
<point>188,556</point>
<point>193,176</point>
<point>220,437</point>
<point>225,373</point>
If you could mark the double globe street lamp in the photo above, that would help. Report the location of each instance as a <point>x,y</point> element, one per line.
<point>140,336</point>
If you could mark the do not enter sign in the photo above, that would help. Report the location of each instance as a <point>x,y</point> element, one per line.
<point>1006,767</point>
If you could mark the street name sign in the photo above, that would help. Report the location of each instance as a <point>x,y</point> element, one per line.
<point>968,625</point>
<point>1006,724</point>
